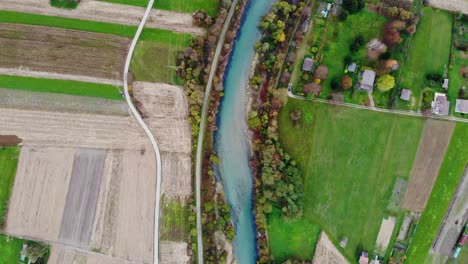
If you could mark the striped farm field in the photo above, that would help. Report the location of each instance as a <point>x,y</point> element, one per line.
<point>187,6</point>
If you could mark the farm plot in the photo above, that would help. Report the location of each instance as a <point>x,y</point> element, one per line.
<point>327,253</point>
<point>451,5</point>
<point>109,13</point>
<point>61,102</point>
<point>62,51</point>
<point>431,152</point>
<point>63,255</point>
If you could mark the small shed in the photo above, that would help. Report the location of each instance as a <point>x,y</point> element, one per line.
<point>445,84</point>
<point>308,64</point>
<point>405,94</point>
<point>367,82</point>
<point>352,67</point>
<point>461,106</point>
<point>364,258</point>
<point>440,105</point>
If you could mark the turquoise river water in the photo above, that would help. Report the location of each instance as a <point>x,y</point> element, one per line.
<point>232,144</point>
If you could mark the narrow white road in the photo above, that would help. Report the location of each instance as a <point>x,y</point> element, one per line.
<point>147,131</point>
<point>201,132</point>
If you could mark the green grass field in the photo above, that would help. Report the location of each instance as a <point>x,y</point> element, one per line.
<point>449,175</point>
<point>456,80</point>
<point>9,162</point>
<point>149,34</point>
<point>187,6</point>
<point>339,37</point>
<point>288,239</point>
<point>60,86</point>
<point>430,49</point>
<point>350,160</point>
<point>10,249</point>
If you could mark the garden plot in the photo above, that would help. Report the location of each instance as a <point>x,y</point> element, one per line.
<point>431,152</point>
<point>327,253</point>
<point>108,12</point>
<point>62,51</point>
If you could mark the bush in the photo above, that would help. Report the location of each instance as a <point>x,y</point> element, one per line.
<point>434,77</point>
<point>348,59</point>
<point>336,83</point>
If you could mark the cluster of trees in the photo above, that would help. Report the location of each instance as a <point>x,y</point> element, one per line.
<point>358,42</point>
<point>436,77</point>
<point>353,6</point>
<point>385,82</point>
<point>36,253</point>
<point>202,19</point>
<point>400,9</point>
<point>392,30</point>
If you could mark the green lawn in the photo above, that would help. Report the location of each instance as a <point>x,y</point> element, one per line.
<point>60,86</point>
<point>449,175</point>
<point>430,49</point>
<point>456,80</point>
<point>10,249</point>
<point>187,6</point>
<point>151,34</point>
<point>339,37</point>
<point>350,160</point>
<point>8,164</point>
<point>291,239</point>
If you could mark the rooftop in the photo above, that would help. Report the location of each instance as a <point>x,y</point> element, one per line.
<point>352,67</point>
<point>440,105</point>
<point>307,65</point>
<point>445,84</point>
<point>461,106</point>
<point>367,82</point>
<point>405,94</point>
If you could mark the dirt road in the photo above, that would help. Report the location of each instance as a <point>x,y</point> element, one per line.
<point>108,12</point>
<point>431,151</point>
<point>62,51</point>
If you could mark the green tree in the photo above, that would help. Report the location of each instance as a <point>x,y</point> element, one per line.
<point>386,82</point>
<point>35,253</point>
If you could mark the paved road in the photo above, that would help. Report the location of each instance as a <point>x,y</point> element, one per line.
<point>376,109</point>
<point>147,130</point>
<point>201,132</point>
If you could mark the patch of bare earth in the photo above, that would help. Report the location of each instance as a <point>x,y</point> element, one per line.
<point>451,5</point>
<point>431,152</point>
<point>327,253</point>
<point>108,12</point>
<point>385,233</point>
<point>62,51</point>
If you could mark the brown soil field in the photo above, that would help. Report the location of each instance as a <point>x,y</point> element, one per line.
<point>9,140</point>
<point>60,76</point>
<point>174,253</point>
<point>108,12</point>
<point>451,5</point>
<point>39,192</point>
<point>431,152</point>
<point>61,102</point>
<point>65,255</point>
<point>327,253</point>
<point>385,234</point>
<point>62,51</point>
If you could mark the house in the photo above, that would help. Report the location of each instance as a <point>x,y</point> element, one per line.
<point>377,45</point>
<point>308,64</point>
<point>367,82</point>
<point>405,94</point>
<point>445,84</point>
<point>440,105</point>
<point>352,67</point>
<point>461,106</point>
<point>364,258</point>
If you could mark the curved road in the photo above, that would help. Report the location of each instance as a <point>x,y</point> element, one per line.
<point>147,130</point>
<point>201,132</point>
<point>376,109</point>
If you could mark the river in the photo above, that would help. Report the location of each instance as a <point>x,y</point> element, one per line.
<point>231,143</point>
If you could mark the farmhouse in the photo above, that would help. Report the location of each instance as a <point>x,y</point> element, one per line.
<point>405,94</point>
<point>308,64</point>
<point>377,45</point>
<point>440,105</point>
<point>461,106</point>
<point>367,82</point>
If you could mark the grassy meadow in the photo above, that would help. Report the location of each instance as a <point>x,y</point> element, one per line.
<point>60,86</point>
<point>10,249</point>
<point>350,160</point>
<point>186,6</point>
<point>450,173</point>
<point>8,164</point>
<point>456,80</point>
<point>295,238</point>
<point>430,49</point>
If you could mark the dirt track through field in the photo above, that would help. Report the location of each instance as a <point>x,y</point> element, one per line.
<point>62,51</point>
<point>108,12</point>
<point>327,253</point>
<point>83,191</point>
<point>431,153</point>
